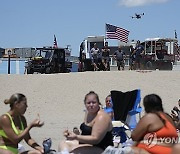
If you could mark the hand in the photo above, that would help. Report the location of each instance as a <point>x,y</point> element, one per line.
<point>37,123</point>
<point>176,109</point>
<point>66,133</point>
<point>71,136</point>
<point>174,117</point>
<point>76,131</point>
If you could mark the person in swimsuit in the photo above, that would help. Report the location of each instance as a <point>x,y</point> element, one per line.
<point>96,130</point>
<point>155,132</point>
<point>13,127</point>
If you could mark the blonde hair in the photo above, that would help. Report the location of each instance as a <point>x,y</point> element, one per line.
<point>92,93</point>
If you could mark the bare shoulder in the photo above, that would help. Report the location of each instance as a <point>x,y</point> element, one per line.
<point>103,116</point>
<point>149,117</point>
<point>4,119</point>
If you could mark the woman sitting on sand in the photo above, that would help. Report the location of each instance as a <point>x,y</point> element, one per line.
<point>96,130</point>
<point>155,132</point>
<point>13,127</point>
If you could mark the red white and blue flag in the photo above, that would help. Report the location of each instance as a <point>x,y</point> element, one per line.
<point>114,32</point>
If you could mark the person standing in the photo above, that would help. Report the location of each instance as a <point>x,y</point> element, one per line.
<point>139,52</point>
<point>131,58</point>
<point>95,54</point>
<point>105,56</point>
<point>119,57</point>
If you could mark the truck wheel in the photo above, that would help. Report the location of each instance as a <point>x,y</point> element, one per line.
<point>29,71</point>
<point>48,70</point>
<point>170,66</point>
<point>149,65</point>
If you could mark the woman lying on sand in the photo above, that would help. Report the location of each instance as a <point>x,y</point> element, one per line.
<point>96,130</point>
<point>13,127</point>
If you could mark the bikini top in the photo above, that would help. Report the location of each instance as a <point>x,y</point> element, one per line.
<point>3,134</point>
<point>168,130</point>
<point>105,142</point>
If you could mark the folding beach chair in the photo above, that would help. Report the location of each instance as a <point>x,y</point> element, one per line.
<point>126,107</point>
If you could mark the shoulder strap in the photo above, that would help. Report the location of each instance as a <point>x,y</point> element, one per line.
<point>22,126</point>
<point>12,123</point>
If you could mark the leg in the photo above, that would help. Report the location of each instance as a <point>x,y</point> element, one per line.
<point>139,151</point>
<point>31,152</point>
<point>95,64</point>
<point>87,150</point>
<point>68,145</point>
<point>118,65</point>
<point>3,151</point>
<point>122,64</point>
<point>104,64</point>
<point>176,149</point>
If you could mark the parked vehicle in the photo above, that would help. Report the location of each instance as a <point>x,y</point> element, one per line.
<point>159,53</point>
<point>49,60</point>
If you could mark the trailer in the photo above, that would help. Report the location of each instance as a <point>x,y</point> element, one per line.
<point>159,53</point>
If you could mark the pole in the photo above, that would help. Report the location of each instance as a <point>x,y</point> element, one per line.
<point>105,33</point>
<point>9,62</point>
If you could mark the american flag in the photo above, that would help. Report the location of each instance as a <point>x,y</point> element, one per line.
<point>176,46</point>
<point>175,34</point>
<point>114,32</point>
<point>55,42</point>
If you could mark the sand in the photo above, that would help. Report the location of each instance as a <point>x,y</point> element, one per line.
<point>58,98</point>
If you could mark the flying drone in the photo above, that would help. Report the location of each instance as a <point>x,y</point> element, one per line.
<point>137,16</point>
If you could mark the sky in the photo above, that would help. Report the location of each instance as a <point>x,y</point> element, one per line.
<point>33,23</point>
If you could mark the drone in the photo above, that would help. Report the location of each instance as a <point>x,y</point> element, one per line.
<point>138,16</point>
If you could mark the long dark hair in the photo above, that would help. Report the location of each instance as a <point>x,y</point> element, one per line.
<point>153,104</point>
<point>15,98</point>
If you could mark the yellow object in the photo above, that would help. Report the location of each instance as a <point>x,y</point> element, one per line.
<point>3,134</point>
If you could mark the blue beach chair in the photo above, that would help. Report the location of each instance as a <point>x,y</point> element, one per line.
<point>126,107</point>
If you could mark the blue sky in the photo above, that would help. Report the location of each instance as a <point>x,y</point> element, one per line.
<point>32,23</point>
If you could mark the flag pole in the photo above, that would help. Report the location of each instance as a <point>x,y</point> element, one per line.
<point>105,33</point>
<point>175,34</point>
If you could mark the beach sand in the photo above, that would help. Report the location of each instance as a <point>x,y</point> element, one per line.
<point>58,98</point>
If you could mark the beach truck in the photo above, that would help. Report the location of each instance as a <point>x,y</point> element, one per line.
<point>85,63</point>
<point>49,60</point>
<point>159,53</point>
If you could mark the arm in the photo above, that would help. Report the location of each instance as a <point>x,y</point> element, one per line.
<point>114,55</point>
<point>142,52</point>
<point>98,132</point>
<point>141,128</point>
<point>12,136</point>
<point>31,142</point>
